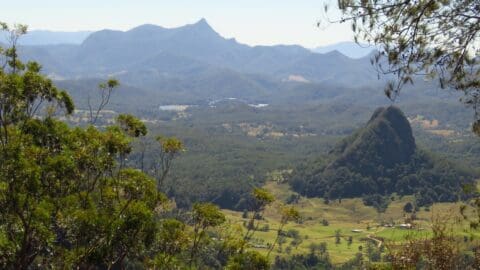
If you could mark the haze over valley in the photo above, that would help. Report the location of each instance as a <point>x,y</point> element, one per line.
<point>259,103</point>
<point>180,148</point>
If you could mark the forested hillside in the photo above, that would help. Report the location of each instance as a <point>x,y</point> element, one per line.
<point>70,200</point>
<point>178,148</point>
<point>232,145</point>
<point>380,159</point>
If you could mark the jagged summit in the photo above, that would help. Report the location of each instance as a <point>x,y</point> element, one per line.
<point>152,31</point>
<point>201,27</point>
<point>202,23</point>
<point>111,51</point>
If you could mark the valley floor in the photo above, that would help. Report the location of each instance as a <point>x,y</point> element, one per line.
<point>351,218</point>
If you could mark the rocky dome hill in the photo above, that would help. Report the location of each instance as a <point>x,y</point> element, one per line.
<point>380,159</point>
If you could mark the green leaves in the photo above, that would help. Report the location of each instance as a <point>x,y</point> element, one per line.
<point>170,145</point>
<point>172,237</point>
<point>66,102</point>
<point>112,83</point>
<point>138,186</point>
<point>207,215</point>
<point>109,84</point>
<point>23,94</point>
<point>106,89</point>
<point>262,198</point>
<point>204,215</point>
<point>421,38</point>
<point>132,125</point>
<point>63,189</point>
<point>248,260</point>
<point>69,200</point>
<point>290,214</point>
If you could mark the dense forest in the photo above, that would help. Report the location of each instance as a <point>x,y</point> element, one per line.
<point>380,159</point>
<point>230,145</point>
<point>207,153</point>
<point>86,196</point>
<point>69,200</point>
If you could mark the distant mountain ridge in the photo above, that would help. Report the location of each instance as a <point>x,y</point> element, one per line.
<point>46,37</point>
<point>193,63</point>
<point>350,49</point>
<point>197,45</point>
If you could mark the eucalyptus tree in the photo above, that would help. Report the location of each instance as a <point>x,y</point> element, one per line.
<point>433,38</point>
<point>64,200</point>
<point>105,93</point>
<point>167,149</point>
<point>205,215</point>
<point>287,214</point>
<point>261,199</point>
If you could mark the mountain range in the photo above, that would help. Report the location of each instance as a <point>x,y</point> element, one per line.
<point>166,53</point>
<point>184,50</point>
<point>46,37</point>
<point>193,64</point>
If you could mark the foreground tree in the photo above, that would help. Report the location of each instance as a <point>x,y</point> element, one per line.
<point>68,199</point>
<point>105,92</point>
<point>287,214</point>
<point>205,215</point>
<point>65,200</point>
<point>433,38</point>
<point>440,251</point>
<point>168,148</point>
<point>261,199</point>
<point>248,260</point>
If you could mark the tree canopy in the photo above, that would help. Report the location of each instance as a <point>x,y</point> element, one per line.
<point>69,200</point>
<point>433,38</point>
<point>380,159</point>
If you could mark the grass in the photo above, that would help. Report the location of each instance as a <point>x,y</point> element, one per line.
<point>346,216</point>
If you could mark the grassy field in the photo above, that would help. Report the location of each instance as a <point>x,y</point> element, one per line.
<point>352,219</point>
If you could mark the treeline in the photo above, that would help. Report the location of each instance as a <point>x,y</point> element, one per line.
<point>439,181</point>
<point>219,166</point>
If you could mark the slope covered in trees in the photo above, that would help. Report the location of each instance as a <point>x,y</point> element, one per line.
<point>68,200</point>
<point>380,159</point>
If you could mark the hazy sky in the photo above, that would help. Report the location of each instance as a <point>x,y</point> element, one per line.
<point>249,21</point>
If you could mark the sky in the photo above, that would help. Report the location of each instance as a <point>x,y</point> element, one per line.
<point>253,22</point>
